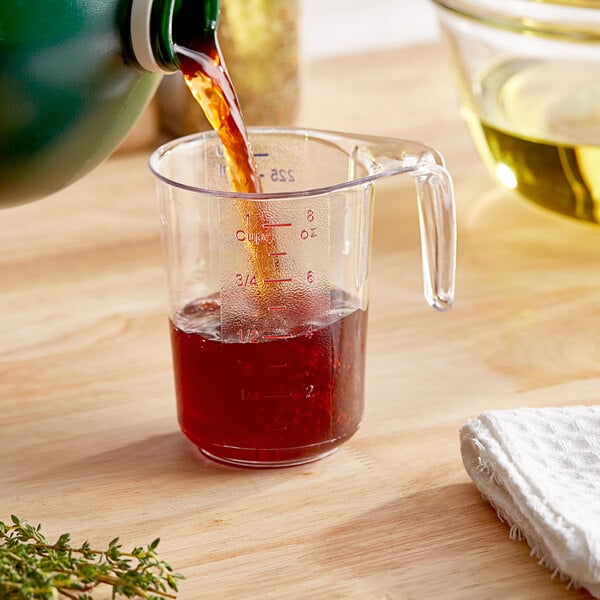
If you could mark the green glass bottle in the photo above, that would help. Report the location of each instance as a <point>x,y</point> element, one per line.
<point>74,78</point>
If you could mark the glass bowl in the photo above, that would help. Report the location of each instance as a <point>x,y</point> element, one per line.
<point>528,75</point>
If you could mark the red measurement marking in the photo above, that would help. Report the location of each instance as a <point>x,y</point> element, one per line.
<point>248,280</point>
<point>277,337</point>
<point>277,308</point>
<point>277,253</point>
<point>277,280</point>
<point>267,225</point>
<point>277,396</point>
<point>283,366</point>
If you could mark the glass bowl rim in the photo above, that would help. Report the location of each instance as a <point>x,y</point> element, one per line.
<point>578,19</point>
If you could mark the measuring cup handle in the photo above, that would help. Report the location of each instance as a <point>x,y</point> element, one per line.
<point>437,215</point>
<point>437,219</point>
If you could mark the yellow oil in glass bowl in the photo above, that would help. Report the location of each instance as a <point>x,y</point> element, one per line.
<point>530,94</point>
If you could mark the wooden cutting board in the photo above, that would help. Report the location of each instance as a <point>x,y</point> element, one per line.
<point>88,436</point>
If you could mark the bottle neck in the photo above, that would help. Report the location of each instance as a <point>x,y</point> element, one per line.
<point>157,25</point>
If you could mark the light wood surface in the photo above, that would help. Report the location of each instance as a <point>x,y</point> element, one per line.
<point>88,436</point>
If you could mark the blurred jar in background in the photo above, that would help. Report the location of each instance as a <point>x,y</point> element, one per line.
<point>259,42</point>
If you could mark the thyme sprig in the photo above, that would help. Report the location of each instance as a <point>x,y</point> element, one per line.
<point>31,568</point>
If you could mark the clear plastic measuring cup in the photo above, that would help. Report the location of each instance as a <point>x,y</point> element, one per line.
<point>268,293</point>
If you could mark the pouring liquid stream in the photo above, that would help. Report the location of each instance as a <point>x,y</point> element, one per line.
<point>208,80</point>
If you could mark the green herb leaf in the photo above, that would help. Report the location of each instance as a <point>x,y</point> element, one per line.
<point>33,569</point>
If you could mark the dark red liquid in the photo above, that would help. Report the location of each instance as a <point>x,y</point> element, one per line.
<point>272,403</point>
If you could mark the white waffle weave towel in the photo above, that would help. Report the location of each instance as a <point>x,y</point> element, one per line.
<point>540,470</point>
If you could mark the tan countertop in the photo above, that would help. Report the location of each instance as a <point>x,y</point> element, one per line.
<point>88,436</point>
